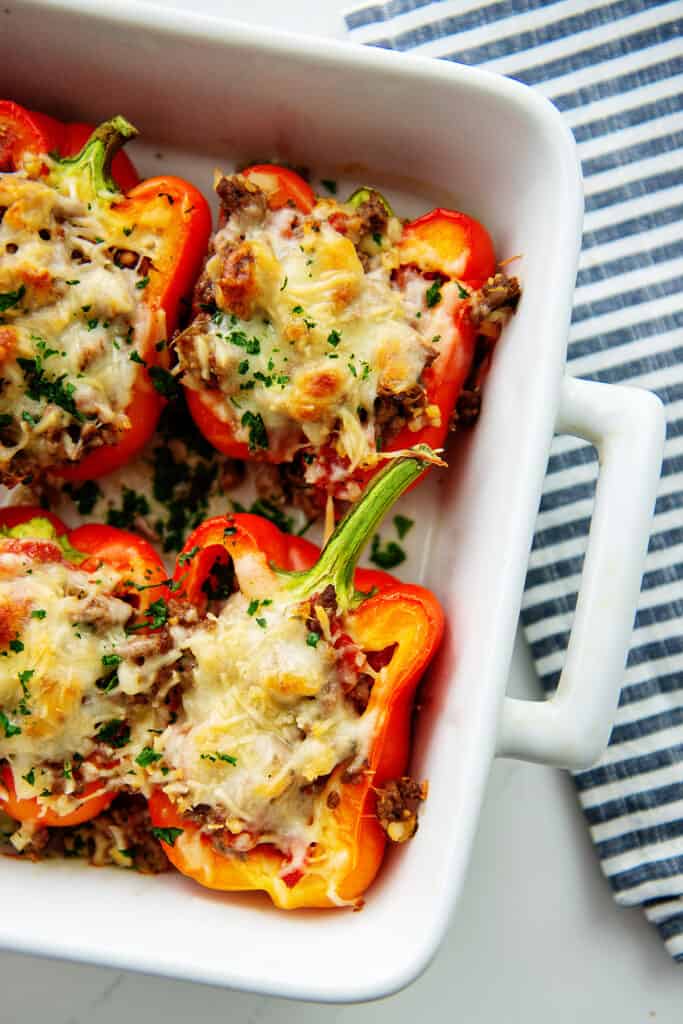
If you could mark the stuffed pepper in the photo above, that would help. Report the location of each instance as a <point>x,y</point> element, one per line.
<point>284,769</point>
<point>325,334</point>
<point>91,277</point>
<point>79,618</point>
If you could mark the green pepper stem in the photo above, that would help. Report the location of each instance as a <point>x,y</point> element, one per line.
<point>339,557</point>
<point>93,163</point>
<point>363,194</point>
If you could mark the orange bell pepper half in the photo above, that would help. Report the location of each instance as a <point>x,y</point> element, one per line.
<point>42,536</point>
<point>378,614</point>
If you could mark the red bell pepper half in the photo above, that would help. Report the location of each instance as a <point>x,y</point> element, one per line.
<point>41,537</point>
<point>442,246</point>
<point>393,626</point>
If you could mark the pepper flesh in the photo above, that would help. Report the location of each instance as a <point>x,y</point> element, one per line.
<point>33,531</point>
<point>378,610</point>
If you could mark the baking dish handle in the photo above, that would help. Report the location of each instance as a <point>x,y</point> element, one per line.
<point>571,729</point>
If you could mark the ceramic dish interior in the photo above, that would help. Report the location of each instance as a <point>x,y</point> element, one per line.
<point>206,94</point>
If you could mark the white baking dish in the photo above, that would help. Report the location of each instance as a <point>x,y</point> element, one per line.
<point>200,87</point>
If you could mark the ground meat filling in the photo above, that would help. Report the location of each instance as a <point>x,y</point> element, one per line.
<point>122,835</point>
<point>238,194</point>
<point>397,802</point>
<point>373,215</point>
<point>492,307</point>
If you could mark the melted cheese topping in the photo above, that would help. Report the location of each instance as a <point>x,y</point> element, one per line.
<point>319,338</point>
<point>72,323</point>
<point>56,691</point>
<point>263,719</point>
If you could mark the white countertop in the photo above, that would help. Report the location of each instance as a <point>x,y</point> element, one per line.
<point>536,937</point>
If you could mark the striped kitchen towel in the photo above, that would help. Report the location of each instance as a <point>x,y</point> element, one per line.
<point>615,71</point>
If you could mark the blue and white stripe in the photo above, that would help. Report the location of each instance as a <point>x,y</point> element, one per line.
<point>615,71</point>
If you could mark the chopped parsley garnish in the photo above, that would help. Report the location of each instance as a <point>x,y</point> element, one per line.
<point>85,497</point>
<point>433,294</point>
<point>386,556</point>
<point>258,436</point>
<point>24,678</point>
<point>167,835</point>
<point>38,613</point>
<point>187,556</point>
<point>462,292</point>
<point>142,283</point>
<point>253,607</point>
<point>73,282</point>
<point>333,338</point>
<point>217,756</point>
<point>147,756</point>
<point>27,418</point>
<point>156,615</point>
<point>107,683</point>
<point>312,639</point>
<point>9,299</point>
<point>243,367</point>
<point>30,777</point>
<point>135,357</point>
<point>9,728</point>
<point>52,390</point>
<point>16,645</point>
<point>115,733</point>
<point>132,506</point>
<point>403,525</point>
<point>128,231</point>
<point>164,382</point>
<point>262,623</point>
<point>330,185</point>
<point>377,238</point>
<point>252,346</point>
<point>111,660</point>
<point>92,324</point>
<point>284,284</point>
<point>297,309</point>
<point>67,770</point>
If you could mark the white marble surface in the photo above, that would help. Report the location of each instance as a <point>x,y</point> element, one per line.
<point>536,937</point>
